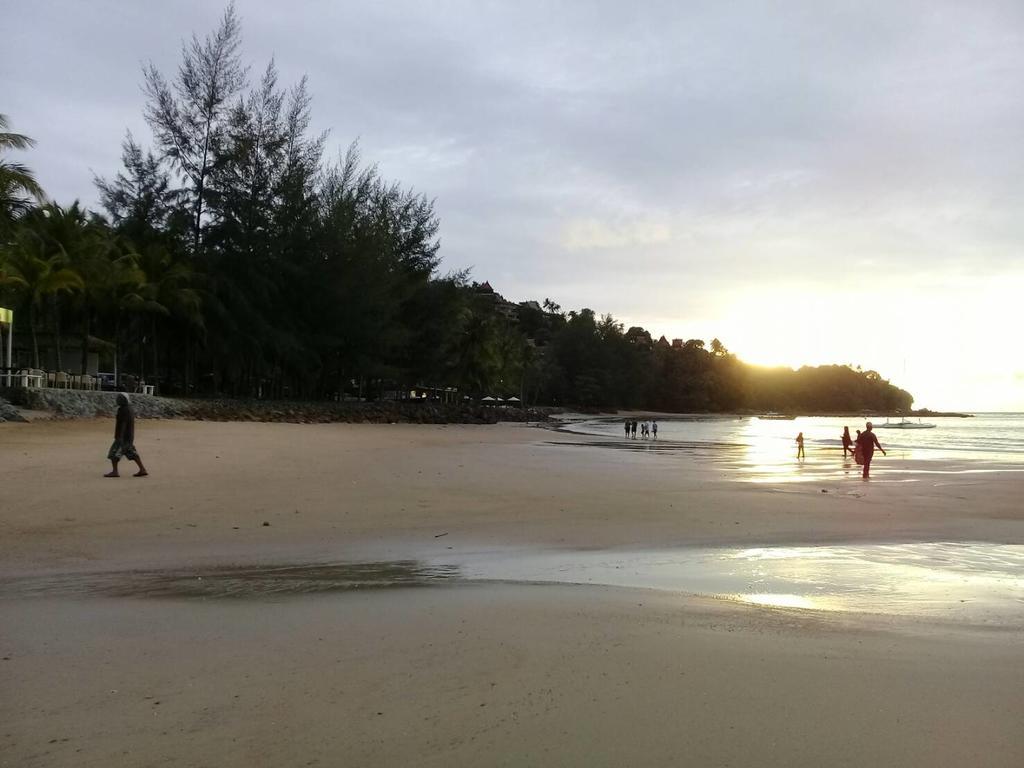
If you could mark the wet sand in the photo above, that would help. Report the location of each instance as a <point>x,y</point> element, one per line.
<point>498,675</point>
<point>469,674</point>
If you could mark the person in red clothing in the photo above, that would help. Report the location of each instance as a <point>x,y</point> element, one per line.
<point>866,444</point>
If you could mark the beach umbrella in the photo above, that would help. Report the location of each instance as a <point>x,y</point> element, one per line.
<point>487,399</point>
<point>513,399</point>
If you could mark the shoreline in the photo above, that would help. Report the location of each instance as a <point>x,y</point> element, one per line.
<point>667,415</point>
<point>19,405</point>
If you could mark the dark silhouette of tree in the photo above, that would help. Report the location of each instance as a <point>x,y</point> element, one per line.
<point>140,201</point>
<point>189,116</point>
<point>31,271</point>
<point>19,189</point>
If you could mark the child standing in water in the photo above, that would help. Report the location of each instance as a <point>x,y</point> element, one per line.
<point>800,446</point>
<point>847,442</point>
<point>124,439</point>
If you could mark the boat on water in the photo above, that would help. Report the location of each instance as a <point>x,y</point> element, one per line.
<point>773,416</point>
<point>904,424</point>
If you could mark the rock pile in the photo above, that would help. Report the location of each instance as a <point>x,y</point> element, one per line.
<point>356,413</point>
<point>8,412</point>
<point>77,404</point>
<point>83,404</point>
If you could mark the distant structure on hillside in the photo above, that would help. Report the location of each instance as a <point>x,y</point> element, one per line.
<point>501,305</point>
<point>533,318</point>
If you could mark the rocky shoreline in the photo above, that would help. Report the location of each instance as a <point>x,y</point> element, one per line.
<point>9,412</point>
<point>77,404</point>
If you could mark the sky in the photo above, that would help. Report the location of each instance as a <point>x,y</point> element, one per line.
<point>809,182</point>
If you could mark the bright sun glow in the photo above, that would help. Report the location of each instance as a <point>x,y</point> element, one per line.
<point>946,343</point>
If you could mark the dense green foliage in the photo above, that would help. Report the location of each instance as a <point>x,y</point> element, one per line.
<point>232,258</point>
<point>594,362</point>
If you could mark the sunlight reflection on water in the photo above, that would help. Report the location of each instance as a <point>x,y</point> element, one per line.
<point>976,582</point>
<point>786,601</point>
<point>764,451</point>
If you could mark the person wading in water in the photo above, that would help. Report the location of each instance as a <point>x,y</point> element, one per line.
<point>866,444</point>
<point>847,442</point>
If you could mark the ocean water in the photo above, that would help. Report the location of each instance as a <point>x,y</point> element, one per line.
<point>766,449</point>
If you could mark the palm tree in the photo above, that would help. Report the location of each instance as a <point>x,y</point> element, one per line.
<point>86,248</point>
<point>168,291</point>
<point>477,355</point>
<point>17,183</point>
<point>32,273</point>
<point>122,292</point>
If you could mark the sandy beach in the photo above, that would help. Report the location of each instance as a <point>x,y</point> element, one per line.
<point>469,673</point>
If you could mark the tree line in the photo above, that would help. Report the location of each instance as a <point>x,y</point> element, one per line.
<point>231,257</point>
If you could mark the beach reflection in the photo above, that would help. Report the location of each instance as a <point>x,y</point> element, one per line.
<point>768,454</point>
<point>233,581</point>
<point>973,582</point>
<point>783,601</point>
<point>976,583</point>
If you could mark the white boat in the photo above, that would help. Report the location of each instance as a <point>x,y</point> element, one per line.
<point>904,424</point>
<point>773,416</point>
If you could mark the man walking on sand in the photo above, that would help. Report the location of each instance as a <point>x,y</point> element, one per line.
<point>124,439</point>
<point>866,444</point>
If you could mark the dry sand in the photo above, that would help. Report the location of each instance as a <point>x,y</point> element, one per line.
<point>473,674</point>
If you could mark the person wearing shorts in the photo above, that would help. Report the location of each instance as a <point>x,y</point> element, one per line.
<point>123,446</point>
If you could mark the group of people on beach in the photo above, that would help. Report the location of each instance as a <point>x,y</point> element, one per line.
<point>648,429</point>
<point>862,448</point>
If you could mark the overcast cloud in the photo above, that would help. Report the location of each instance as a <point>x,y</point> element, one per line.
<point>736,169</point>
